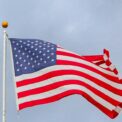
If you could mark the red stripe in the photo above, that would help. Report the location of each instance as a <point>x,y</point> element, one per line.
<point>63,83</point>
<point>106,52</point>
<point>111,114</point>
<point>69,72</point>
<point>79,57</point>
<point>88,58</point>
<point>94,57</point>
<point>99,63</point>
<point>108,62</point>
<point>112,78</point>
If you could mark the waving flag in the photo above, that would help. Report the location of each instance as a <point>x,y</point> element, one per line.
<point>45,72</point>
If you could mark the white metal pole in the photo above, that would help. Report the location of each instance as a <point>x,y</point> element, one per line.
<point>4,77</point>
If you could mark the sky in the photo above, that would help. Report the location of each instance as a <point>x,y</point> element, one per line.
<point>83,26</point>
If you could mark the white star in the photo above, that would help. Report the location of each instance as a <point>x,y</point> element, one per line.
<point>52,53</point>
<point>33,66</point>
<point>23,53</point>
<point>24,60</point>
<point>48,51</point>
<point>35,61</point>
<point>28,44</point>
<point>40,46</point>
<point>31,59</point>
<point>24,42</point>
<point>52,60</point>
<point>19,51</point>
<point>36,44</point>
<point>20,65</point>
<point>17,62</point>
<point>16,55</point>
<point>37,56</point>
<point>32,46</point>
<point>48,57</point>
<point>40,51</point>
<point>45,62</point>
<point>44,44</point>
<point>25,68</point>
<point>28,63</point>
<point>13,42</point>
<point>18,70</point>
<point>33,54</point>
<point>15,48</point>
<point>20,40</point>
<point>44,54</point>
<point>27,56</point>
<point>17,44</point>
<point>36,49</point>
<point>38,64</point>
<point>29,51</point>
<point>20,58</point>
<point>21,46</point>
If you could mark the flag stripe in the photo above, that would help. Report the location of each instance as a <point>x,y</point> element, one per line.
<point>68,58</point>
<point>64,67</point>
<point>108,112</point>
<point>64,89</point>
<point>55,85</point>
<point>66,51</point>
<point>52,78</point>
<point>73,63</point>
<point>71,59</point>
<point>93,58</point>
<point>88,63</point>
<point>75,75</point>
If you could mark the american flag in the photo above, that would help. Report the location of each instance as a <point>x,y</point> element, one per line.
<point>45,72</point>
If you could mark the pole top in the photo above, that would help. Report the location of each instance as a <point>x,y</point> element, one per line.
<point>4,24</point>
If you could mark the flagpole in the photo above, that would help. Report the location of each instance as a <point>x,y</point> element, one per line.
<point>4,25</point>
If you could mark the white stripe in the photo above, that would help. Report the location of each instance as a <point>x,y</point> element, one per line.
<point>64,67</point>
<point>96,61</point>
<point>118,109</point>
<point>103,65</point>
<point>64,89</point>
<point>112,67</point>
<point>68,58</point>
<point>69,77</point>
<point>63,50</point>
<point>105,57</point>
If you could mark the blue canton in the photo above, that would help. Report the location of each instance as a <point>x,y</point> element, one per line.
<point>31,55</point>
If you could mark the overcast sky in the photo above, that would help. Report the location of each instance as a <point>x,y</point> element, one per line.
<point>83,26</point>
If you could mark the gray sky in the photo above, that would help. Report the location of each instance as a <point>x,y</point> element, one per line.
<point>82,26</point>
